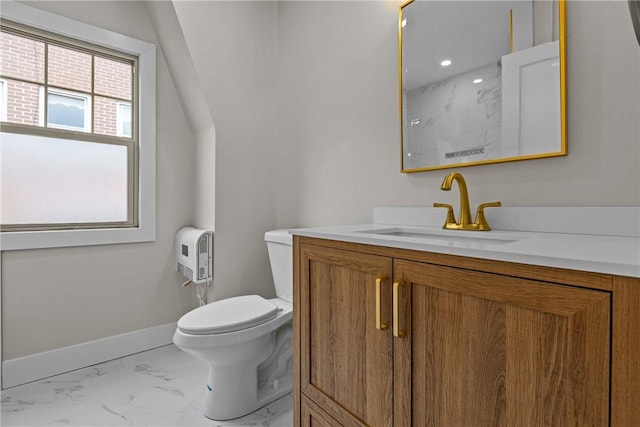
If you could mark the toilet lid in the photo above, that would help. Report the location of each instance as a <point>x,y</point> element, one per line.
<point>228,315</point>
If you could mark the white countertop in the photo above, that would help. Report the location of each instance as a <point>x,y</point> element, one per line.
<point>610,254</point>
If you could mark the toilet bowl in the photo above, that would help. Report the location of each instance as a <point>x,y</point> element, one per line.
<point>246,340</point>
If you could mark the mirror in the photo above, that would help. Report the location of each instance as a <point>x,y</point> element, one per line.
<point>481,82</point>
<point>634,9</point>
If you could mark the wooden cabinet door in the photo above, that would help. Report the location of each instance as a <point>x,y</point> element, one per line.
<point>483,349</point>
<point>345,361</point>
<point>313,416</point>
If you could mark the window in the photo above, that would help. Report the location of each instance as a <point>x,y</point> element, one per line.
<point>78,150</point>
<point>3,100</point>
<point>123,119</point>
<point>83,95</point>
<point>66,110</point>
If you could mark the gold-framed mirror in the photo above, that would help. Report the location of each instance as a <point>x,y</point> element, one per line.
<point>481,82</point>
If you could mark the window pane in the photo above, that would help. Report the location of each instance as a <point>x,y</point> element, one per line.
<point>21,58</point>
<point>124,119</point>
<point>68,112</point>
<point>69,69</point>
<point>47,180</point>
<point>113,78</point>
<point>23,103</point>
<point>3,101</point>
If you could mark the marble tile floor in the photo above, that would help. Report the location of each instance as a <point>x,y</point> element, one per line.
<point>159,387</point>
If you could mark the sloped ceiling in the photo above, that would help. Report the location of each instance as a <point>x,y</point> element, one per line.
<point>176,52</point>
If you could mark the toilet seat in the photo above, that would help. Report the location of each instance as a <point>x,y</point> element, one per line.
<point>228,315</point>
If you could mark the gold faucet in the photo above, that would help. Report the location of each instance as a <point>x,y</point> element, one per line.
<point>480,224</point>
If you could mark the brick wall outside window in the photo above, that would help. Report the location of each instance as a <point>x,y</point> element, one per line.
<point>104,115</point>
<point>69,69</point>
<point>22,102</point>
<point>23,58</point>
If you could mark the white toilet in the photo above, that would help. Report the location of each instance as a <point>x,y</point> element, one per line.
<point>247,341</point>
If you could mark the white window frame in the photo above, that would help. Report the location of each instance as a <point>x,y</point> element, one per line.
<point>120,118</point>
<point>146,53</point>
<point>69,94</point>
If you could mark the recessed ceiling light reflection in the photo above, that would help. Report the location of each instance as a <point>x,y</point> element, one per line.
<point>404,22</point>
<point>445,62</point>
<point>476,81</point>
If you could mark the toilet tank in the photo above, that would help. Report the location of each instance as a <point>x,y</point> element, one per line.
<point>280,247</point>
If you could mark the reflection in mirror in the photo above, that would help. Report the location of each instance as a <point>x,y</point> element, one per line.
<point>481,82</point>
<point>634,9</point>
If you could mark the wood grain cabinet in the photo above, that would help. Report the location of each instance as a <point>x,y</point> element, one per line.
<point>490,350</point>
<point>391,337</point>
<point>347,368</point>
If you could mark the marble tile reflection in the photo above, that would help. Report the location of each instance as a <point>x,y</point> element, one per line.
<point>160,387</point>
<point>455,120</point>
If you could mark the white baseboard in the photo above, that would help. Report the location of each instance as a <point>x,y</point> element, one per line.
<point>37,366</point>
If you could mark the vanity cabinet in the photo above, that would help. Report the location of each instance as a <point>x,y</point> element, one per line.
<point>347,368</point>
<point>488,350</point>
<point>313,416</point>
<point>394,337</point>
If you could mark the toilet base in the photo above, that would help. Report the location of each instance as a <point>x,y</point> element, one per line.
<point>239,389</point>
<point>227,402</point>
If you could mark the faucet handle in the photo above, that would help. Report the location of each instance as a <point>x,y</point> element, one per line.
<point>451,219</point>
<point>481,221</point>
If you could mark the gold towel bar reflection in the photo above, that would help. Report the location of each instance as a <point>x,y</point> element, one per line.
<point>397,332</point>
<point>379,325</point>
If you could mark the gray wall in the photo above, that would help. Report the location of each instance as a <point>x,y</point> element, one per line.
<point>326,73</point>
<point>234,52</point>
<point>303,96</point>
<point>53,298</point>
<point>339,117</point>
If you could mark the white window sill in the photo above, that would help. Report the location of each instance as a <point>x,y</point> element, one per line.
<point>64,238</point>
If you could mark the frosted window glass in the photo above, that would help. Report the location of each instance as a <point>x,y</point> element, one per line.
<point>47,180</point>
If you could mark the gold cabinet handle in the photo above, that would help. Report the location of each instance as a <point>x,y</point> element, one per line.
<point>379,325</point>
<point>397,331</point>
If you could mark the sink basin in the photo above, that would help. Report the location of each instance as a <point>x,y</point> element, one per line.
<point>446,237</point>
